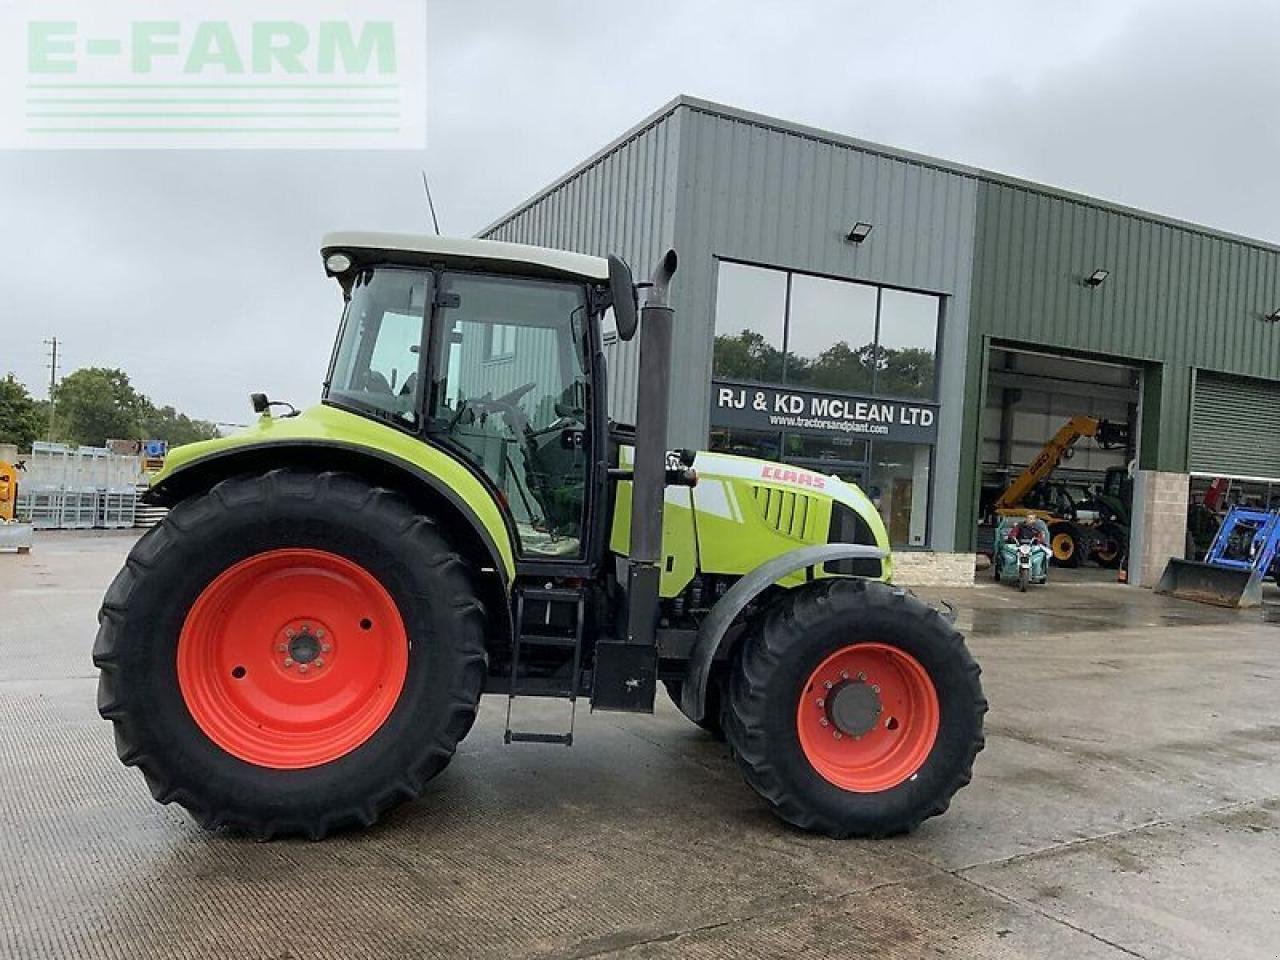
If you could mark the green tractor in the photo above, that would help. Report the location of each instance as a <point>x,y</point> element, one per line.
<point>304,640</point>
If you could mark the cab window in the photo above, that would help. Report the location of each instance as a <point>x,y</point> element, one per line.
<point>377,362</point>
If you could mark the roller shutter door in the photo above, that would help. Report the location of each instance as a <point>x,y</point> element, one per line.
<point>1235,427</point>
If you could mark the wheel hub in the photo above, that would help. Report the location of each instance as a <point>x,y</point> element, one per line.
<point>854,707</point>
<point>305,646</point>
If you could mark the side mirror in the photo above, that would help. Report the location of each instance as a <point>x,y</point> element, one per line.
<point>623,289</point>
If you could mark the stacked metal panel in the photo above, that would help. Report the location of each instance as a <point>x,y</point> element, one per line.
<point>77,488</point>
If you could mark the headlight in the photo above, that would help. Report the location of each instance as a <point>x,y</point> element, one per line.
<point>337,263</point>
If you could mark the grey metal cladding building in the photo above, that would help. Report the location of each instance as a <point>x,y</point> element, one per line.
<point>800,341</point>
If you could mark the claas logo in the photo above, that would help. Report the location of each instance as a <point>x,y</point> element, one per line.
<point>799,477</point>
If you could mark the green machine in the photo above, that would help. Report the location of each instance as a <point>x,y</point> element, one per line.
<point>304,640</point>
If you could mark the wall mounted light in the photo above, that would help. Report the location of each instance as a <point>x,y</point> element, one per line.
<point>1273,316</point>
<point>859,232</point>
<point>1096,278</point>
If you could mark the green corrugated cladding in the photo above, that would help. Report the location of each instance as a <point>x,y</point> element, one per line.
<point>1177,298</point>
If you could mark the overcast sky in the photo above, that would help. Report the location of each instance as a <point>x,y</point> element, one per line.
<point>197,271</point>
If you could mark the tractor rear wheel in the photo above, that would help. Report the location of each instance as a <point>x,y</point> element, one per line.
<point>855,709</point>
<point>291,653</point>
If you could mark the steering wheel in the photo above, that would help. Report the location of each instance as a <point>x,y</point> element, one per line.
<point>506,405</point>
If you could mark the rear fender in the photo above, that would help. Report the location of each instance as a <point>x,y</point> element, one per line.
<point>481,543</point>
<point>712,632</point>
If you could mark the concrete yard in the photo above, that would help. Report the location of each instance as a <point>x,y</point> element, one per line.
<point>1127,805</point>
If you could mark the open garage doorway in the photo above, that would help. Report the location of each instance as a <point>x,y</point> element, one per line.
<point>1059,435</point>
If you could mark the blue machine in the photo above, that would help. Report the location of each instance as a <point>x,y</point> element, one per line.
<point>1231,575</point>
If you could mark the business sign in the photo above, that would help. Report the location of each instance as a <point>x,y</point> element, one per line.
<point>821,413</point>
<point>324,74</point>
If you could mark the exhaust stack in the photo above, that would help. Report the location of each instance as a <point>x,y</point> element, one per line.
<point>626,672</point>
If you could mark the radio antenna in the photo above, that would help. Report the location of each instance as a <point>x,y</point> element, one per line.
<point>430,204</point>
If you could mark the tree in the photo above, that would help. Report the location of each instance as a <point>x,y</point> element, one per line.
<point>177,428</point>
<point>905,372</point>
<point>94,404</point>
<point>839,367</point>
<point>747,356</point>
<point>20,420</point>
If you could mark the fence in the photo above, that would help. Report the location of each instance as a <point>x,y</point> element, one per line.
<point>78,488</point>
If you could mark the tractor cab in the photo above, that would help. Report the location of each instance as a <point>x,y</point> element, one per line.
<point>494,359</point>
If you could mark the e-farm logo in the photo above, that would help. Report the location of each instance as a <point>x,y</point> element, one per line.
<point>319,74</point>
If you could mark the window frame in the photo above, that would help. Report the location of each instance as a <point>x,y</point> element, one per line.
<point>789,273</point>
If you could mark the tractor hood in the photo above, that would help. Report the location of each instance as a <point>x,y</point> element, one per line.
<point>744,512</point>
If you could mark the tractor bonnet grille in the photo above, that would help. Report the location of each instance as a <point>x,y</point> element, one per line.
<point>786,511</point>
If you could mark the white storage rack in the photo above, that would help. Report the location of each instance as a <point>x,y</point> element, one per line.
<point>78,488</point>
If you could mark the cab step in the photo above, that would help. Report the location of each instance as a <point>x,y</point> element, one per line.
<point>518,736</point>
<point>555,606</point>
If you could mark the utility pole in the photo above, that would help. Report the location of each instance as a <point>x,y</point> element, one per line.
<point>52,344</point>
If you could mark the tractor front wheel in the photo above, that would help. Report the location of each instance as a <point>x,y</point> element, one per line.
<point>855,709</point>
<point>712,721</point>
<point>291,653</point>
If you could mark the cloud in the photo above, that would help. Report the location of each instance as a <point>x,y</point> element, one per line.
<point>198,272</point>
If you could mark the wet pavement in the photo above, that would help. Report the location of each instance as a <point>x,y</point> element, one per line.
<point>1127,805</point>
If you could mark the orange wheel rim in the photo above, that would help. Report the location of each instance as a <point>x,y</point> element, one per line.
<point>1063,546</point>
<point>868,717</point>
<point>292,658</point>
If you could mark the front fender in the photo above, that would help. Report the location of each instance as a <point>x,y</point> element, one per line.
<point>711,633</point>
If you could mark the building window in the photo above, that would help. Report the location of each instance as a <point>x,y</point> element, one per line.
<point>751,308</point>
<point>760,444</point>
<point>898,484</point>
<point>906,344</point>
<point>828,449</point>
<point>778,326</point>
<point>831,334</point>
<point>500,341</point>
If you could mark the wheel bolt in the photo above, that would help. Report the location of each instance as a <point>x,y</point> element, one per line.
<point>302,668</point>
<point>821,702</point>
<point>827,684</point>
<point>288,662</point>
<point>319,662</point>
<point>325,648</point>
<point>290,633</point>
<point>861,675</point>
<point>282,647</point>
<point>875,689</point>
<point>824,721</point>
<point>319,634</point>
<point>844,674</point>
<point>836,734</point>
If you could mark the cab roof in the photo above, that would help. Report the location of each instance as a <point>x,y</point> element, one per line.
<point>466,251</point>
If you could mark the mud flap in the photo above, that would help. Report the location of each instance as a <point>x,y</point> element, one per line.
<point>1208,583</point>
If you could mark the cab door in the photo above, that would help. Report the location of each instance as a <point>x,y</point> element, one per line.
<point>510,392</point>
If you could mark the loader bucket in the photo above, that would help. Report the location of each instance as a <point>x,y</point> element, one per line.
<point>1209,583</point>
